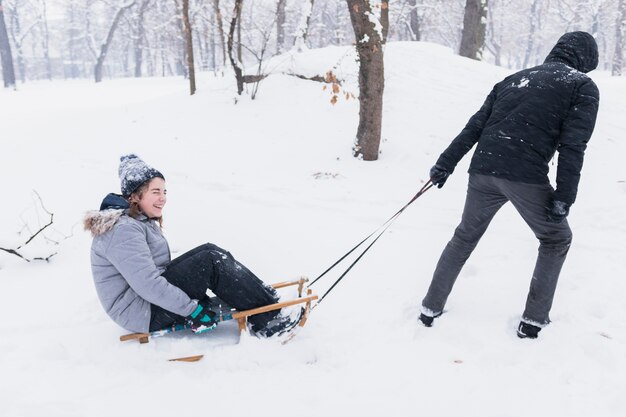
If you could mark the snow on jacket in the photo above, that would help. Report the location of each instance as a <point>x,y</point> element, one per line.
<point>531,114</point>
<point>128,256</point>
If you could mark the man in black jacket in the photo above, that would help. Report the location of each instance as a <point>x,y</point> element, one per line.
<point>526,118</point>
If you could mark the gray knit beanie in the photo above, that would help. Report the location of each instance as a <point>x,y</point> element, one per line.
<point>134,172</point>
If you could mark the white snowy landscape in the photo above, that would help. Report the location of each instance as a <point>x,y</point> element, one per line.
<point>273,181</point>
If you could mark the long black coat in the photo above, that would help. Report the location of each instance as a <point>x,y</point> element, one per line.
<point>532,113</point>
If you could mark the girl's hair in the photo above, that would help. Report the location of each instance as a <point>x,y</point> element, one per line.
<point>134,211</point>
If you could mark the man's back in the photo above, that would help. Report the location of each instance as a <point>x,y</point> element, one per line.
<point>523,130</point>
<point>532,113</point>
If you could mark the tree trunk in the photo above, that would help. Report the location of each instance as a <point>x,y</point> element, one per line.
<point>474,22</point>
<point>140,35</point>
<point>8,73</point>
<point>496,47</point>
<point>124,51</point>
<point>299,42</point>
<point>239,54</point>
<point>231,36</point>
<point>213,45</point>
<point>384,19</point>
<point>45,40</point>
<point>280,26</point>
<point>371,80</point>
<point>620,28</point>
<point>534,18</point>
<point>16,35</point>
<point>220,29</point>
<point>202,45</point>
<point>71,45</point>
<point>189,48</point>
<point>414,21</point>
<point>104,48</point>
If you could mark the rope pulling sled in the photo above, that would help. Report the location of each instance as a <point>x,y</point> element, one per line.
<point>226,313</point>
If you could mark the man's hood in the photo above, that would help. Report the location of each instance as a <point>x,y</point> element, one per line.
<point>576,49</point>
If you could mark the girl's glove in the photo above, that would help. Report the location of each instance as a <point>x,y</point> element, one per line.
<point>203,318</point>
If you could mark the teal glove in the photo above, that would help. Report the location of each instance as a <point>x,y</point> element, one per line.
<point>203,318</point>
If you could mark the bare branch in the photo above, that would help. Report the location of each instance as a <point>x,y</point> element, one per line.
<point>33,236</point>
<point>14,252</point>
<point>42,228</point>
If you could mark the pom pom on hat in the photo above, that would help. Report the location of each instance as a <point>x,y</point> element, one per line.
<point>134,172</point>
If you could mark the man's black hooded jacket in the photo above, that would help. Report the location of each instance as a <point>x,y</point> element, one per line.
<point>532,113</point>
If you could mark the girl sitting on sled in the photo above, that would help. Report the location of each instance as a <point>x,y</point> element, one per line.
<point>138,284</point>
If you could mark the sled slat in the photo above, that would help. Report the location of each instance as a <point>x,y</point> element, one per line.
<point>275,306</point>
<point>284,284</point>
<point>241,323</point>
<point>187,359</point>
<point>307,309</point>
<point>133,336</point>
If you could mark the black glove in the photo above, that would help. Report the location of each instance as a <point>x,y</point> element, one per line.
<point>439,175</point>
<point>203,318</point>
<point>556,211</point>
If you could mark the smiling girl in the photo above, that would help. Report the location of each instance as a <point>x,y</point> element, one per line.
<point>138,284</point>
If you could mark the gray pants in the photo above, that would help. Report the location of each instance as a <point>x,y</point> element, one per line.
<point>485,196</point>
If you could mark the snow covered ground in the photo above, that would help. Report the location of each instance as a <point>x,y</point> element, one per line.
<point>273,181</point>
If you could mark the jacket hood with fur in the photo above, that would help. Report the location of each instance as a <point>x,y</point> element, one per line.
<point>111,209</point>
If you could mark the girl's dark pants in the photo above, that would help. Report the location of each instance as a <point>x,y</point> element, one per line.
<point>211,267</point>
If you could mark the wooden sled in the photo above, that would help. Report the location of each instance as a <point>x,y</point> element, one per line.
<point>225,313</point>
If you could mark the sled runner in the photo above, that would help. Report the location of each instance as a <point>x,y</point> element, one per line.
<point>226,312</point>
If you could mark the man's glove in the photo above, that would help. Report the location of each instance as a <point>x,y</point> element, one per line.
<point>203,319</point>
<point>556,211</point>
<point>439,175</point>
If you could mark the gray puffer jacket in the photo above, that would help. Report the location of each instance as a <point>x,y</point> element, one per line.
<point>128,256</point>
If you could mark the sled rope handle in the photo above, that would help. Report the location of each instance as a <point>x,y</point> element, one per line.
<point>384,227</point>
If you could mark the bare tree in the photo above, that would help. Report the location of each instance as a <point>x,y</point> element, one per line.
<point>620,29</point>
<point>104,47</point>
<point>45,38</point>
<point>140,35</point>
<point>231,35</point>
<point>152,40</point>
<point>73,40</point>
<point>259,45</point>
<point>280,25</point>
<point>220,29</point>
<point>19,32</point>
<point>414,24</point>
<point>8,73</point>
<point>371,79</point>
<point>303,27</point>
<point>239,51</point>
<point>384,19</point>
<point>473,37</point>
<point>494,45</point>
<point>189,48</point>
<point>533,21</point>
<point>257,52</point>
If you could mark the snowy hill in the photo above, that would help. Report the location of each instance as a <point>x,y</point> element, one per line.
<point>273,181</point>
